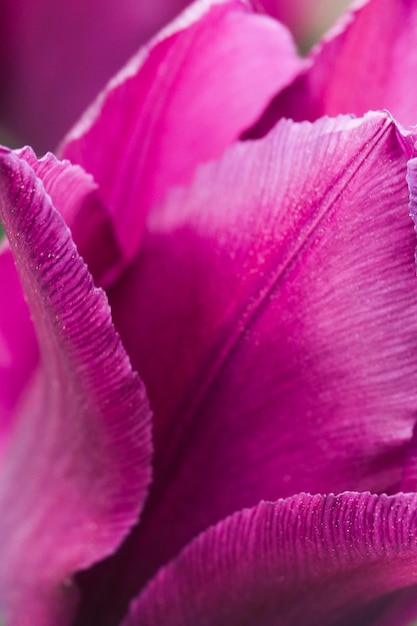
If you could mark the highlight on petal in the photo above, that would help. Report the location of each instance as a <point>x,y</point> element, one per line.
<point>180,101</point>
<point>412,183</point>
<point>40,63</point>
<point>75,467</point>
<point>366,62</point>
<point>279,292</point>
<point>306,560</point>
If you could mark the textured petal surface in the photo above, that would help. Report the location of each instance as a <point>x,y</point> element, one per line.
<point>272,313</point>
<point>47,81</point>
<point>368,62</point>
<point>75,195</point>
<point>75,467</point>
<point>181,101</point>
<point>302,561</point>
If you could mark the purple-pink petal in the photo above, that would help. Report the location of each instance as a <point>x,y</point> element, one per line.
<point>75,195</point>
<point>366,63</point>
<point>325,560</point>
<point>272,313</point>
<point>182,100</point>
<point>76,463</point>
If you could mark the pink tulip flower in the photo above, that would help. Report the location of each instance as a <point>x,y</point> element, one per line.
<point>227,433</point>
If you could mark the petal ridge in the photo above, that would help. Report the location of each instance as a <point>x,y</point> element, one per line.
<point>307,559</point>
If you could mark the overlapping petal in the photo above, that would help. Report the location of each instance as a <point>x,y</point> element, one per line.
<point>307,560</point>
<point>75,193</point>
<point>76,196</point>
<point>75,466</point>
<point>57,55</point>
<point>367,62</point>
<point>278,292</point>
<point>181,101</point>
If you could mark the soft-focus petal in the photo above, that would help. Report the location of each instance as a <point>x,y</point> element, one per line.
<point>368,61</point>
<point>399,610</point>
<point>18,345</point>
<point>181,101</point>
<point>75,468</point>
<point>279,295</point>
<point>56,56</point>
<point>306,560</point>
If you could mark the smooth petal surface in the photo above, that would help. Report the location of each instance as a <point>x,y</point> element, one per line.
<point>367,62</point>
<point>46,80</point>
<point>75,468</point>
<point>18,346</point>
<point>181,101</point>
<point>297,562</point>
<point>279,296</point>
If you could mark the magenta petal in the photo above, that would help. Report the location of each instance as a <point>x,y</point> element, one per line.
<point>297,562</point>
<point>366,63</point>
<point>279,294</point>
<point>57,55</point>
<point>18,345</point>
<point>75,196</point>
<point>181,101</point>
<point>75,469</point>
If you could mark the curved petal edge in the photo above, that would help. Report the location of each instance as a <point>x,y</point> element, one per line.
<point>320,559</point>
<point>76,466</point>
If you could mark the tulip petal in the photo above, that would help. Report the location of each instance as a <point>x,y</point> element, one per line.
<point>307,19</point>
<point>75,467</point>
<point>75,195</point>
<point>297,562</point>
<point>279,293</point>
<point>40,63</point>
<point>180,101</point>
<point>364,63</point>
